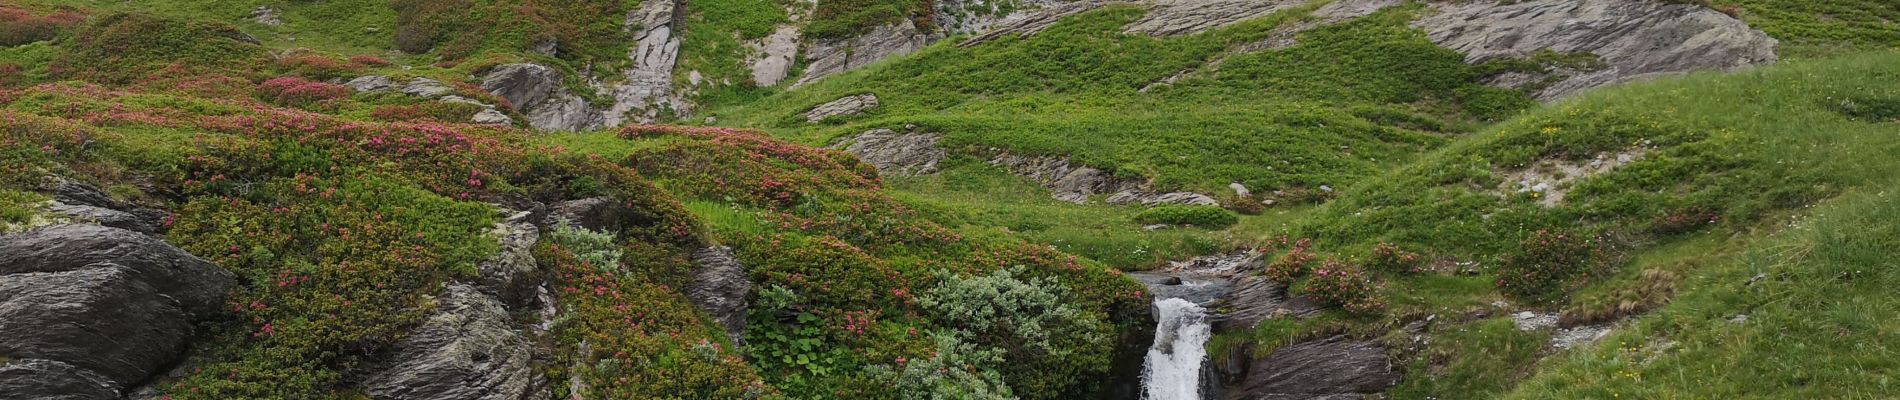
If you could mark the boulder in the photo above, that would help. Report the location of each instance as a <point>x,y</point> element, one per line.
<point>426,88</point>
<point>512,275</point>
<point>197,285</point>
<point>88,203</point>
<point>1069,182</point>
<point>524,85</point>
<point>774,56</point>
<point>719,288</point>
<point>835,56</point>
<point>492,117</point>
<point>53,380</point>
<point>100,318</point>
<point>1332,368</point>
<point>371,84</point>
<point>1632,39</point>
<point>467,350</point>
<point>905,154</point>
<point>844,106</point>
<point>1180,198</point>
<point>564,111</point>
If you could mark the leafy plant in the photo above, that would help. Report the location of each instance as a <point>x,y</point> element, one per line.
<point>1209,217</point>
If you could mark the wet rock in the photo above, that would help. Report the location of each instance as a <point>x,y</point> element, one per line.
<point>512,274</point>
<point>1332,368</point>
<point>492,117</point>
<point>834,56</point>
<point>426,88</point>
<point>524,85</point>
<point>1633,39</point>
<point>371,84</point>
<point>53,380</point>
<point>899,154</point>
<point>719,288</point>
<point>1171,281</point>
<point>100,318</point>
<point>467,350</point>
<point>774,56</point>
<point>197,285</point>
<point>845,106</point>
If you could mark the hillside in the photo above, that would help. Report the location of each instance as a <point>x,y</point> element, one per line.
<point>948,199</point>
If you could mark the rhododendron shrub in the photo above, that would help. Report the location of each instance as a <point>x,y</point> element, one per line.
<point>1388,257</point>
<point>1549,261</point>
<point>1336,283</point>
<point>317,66</point>
<point>293,91</point>
<point>19,26</point>
<point>124,48</point>
<point>1292,265</point>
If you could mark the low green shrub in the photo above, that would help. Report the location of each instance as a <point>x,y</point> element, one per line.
<point>1292,265</point>
<point>1208,217</point>
<point>1347,286</point>
<point>1387,257</point>
<point>1545,264</point>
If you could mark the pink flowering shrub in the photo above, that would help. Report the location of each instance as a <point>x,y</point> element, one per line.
<point>369,61</point>
<point>291,91</point>
<point>1547,262</point>
<point>317,66</point>
<point>1293,264</point>
<point>19,26</point>
<point>1346,286</point>
<point>1390,258</point>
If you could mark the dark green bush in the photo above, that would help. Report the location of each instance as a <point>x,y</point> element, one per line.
<point>1201,216</point>
<point>1545,264</point>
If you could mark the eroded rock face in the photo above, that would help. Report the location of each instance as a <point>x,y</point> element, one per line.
<point>648,85</point>
<point>53,380</point>
<point>426,88</point>
<point>719,288</point>
<point>775,56</point>
<point>101,318</point>
<point>1633,39</point>
<point>512,274</point>
<point>900,154</point>
<point>198,286</point>
<point>972,16</point>
<point>1034,22</point>
<point>1184,17</point>
<point>88,203</point>
<point>831,57</point>
<point>845,106</point>
<point>524,85</point>
<point>1332,368</point>
<point>1068,182</point>
<point>371,84</point>
<point>467,350</point>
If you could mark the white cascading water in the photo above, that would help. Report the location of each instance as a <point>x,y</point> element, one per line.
<point>1172,370</point>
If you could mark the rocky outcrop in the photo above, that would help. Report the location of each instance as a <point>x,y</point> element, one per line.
<point>197,285</point>
<point>603,214</point>
<point>899,154</point>
<point>1076,184</point>
<point>267,16</point>
<point>1035,22</point>
<point>719,288</point>
<point>524,85</point>
<point>834,56</point>
<point>87,203</point>
<point>973,16</point>
<point>426,88</point>
<point>844,106</point>
<point>53,380</point>
<point>1184,17</point>
<point>1334,12</point>
<point>467,350</point>
<point>647,87</point>
<point>773,56</point>
<point>564,111</point>
<point>101,318</point>
<point>1256,298</point>
<point>371,84</point>
<point>1632,39</point>
<point>512,275</point>
<point>1332,368</point>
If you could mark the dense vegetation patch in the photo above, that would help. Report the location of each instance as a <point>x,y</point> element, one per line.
<point>1200,216</point>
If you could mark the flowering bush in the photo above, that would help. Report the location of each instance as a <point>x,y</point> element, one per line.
<point>1547,261</point>
<point>1292,265</point>
<point>293,91</point>
<point>125,48</point>
<point>19,26</point>
<point>369,61</point>
<point>438,111</point>
<point>1346,286</point>
<point>317,66</point>
<point>1390,258</point>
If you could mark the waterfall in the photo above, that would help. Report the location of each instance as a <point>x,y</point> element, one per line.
<point>1172,370</point>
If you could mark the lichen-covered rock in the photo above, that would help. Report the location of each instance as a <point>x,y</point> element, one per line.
<point>511,275</point>
<point>844,106</point>
<point>524,85</point>
<point>467,350</point>
<point>647,86</point>
<point>1332,368</point>
<point>197,285</point>
<point>426,88</point>
<point>564,111</point>
<point>719,288</point>
<point>100,318</point>
<point>901,154</point>
<point>973,16</point>
<point>371,84</point>
<point>53,380</point>
<point>1632,39</point>
<point>604,214</point>
<point>492,117</point>
<point>831,57</point>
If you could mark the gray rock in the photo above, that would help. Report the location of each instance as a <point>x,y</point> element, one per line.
<point>1340,10</point>
<point>466,350</point>
<point>426,88</point>
<point>265,15</point>
<point>832,57</point>
<point>1634,39</point>
<point>844,106</point>
<point>604,214</point>
<point>1072,183</point>
<point>492,117</point>
<point>905,154</point>
<point>719,288</point>
<point>774,56</point>
<point>647,87</point>
<point>86,202</point>
<point>512,274</point>
<point>1181,198</point>
<point>973,16</point>
<point>1256,298</point>
<point>459,99</point>
<point>53,380</point>
<point>102,216</point>
<point>100,318</point>
<point>1184,17</point>
<point>564,111</point>
<point>1332,368</point>
<point>1035,22</point>
<point>371,84</point>
<point>197,285</point>
<point>524,85</point>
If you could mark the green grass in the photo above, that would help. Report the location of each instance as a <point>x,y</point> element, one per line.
<point>1820,29</point>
